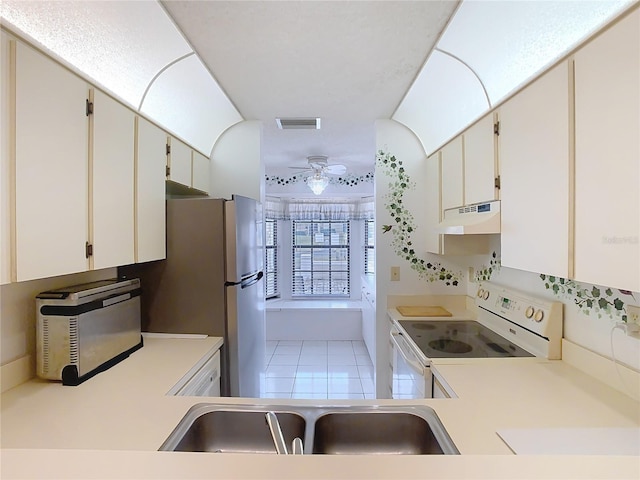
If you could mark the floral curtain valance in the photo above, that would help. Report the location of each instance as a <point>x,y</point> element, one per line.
<point>338,210</point>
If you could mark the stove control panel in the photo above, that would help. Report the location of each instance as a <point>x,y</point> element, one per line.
<point>535,314</point>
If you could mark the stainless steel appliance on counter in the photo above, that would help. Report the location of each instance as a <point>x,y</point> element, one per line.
<point>211,283</point>
<point>84,329</point>
<point>509,324</point>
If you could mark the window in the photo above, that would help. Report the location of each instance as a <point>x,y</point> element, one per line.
<point>369,242</point>
<point>271,259</point>
<point>320,258</point>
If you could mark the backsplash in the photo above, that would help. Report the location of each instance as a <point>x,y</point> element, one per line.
<point>590,311</point>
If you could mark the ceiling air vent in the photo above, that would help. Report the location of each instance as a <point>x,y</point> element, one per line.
<point>298,123</point>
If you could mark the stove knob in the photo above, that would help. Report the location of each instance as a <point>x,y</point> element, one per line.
<point>539,316</point>
<point>486,294</point>
<point>529,312</point>
<point>480,292</point>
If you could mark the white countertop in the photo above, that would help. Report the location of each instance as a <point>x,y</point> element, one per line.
<point>112,425</point>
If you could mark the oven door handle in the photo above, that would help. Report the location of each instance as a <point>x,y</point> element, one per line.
<point>417,366</point>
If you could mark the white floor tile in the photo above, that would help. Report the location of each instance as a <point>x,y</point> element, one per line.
<point>359,347</point>
<point>310,385</point>
<point>287,350</point>
<point>308,359</point>
<point>284,360</point>
<point>346,385</point>
<point>297,343</point>
<point>343,371</point>
<point>314,349</point>
<point>370,396</point>
<point>311,371</point>
<point>363,360</point>
<point>339,346</point>
<point>314,343</point>
<point>271,346</point>
<point>367,385</point>
<point>281,371</point>
<point>278,384</point>
<point>342,359</point>
<point>365,371</point>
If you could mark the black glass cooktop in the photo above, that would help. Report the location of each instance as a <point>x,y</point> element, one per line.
<point>459,339</point>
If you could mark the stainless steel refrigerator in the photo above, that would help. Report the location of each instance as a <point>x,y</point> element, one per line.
<point>211,283</point>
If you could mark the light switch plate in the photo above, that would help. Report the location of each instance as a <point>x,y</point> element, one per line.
<point>395,274</point>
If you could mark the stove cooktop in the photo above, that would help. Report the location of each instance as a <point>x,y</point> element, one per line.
<point>459,339</point>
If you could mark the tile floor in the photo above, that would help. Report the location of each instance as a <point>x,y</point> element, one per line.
<point>317,369</point>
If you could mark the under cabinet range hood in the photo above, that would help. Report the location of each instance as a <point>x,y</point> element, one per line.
<point>480,218</point>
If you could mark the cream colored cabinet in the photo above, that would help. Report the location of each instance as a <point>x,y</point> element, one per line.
<point>201,381</point>
<point>151,157</point>
<point>201,172</point>
<point>5,158</point>
<point>452,174</point>
<point>432,208</point>
<point>112,183</point>
<point>179,162</point>
<point>534,170</point>
<point>51,168</point>
<point>480,162</point>
<point>607,157</point>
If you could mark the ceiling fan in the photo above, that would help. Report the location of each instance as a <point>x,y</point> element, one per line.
<point>319,167</point>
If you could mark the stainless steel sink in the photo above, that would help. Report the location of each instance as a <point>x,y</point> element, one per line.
<point>324,430</point>
<point>374,432</point>
<point>231,430</point>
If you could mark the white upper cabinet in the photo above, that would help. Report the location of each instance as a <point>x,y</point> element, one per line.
<point>432,207</point>
<point>151,161</point>
<point>534,171</point>
<point>112,188</point>
<point>607,149</point>
<point>5,160</point>
<point>452,174</point>
<point>479,162</point>
<point>51,141</point>
<point>179,161</point>
<point>201,174</point>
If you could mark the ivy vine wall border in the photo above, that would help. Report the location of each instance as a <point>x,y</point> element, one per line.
<point>403,224</point>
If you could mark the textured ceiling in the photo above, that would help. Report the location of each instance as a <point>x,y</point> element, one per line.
<point>348,62</point>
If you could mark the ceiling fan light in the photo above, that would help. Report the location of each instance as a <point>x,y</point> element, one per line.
<point>317,183</point>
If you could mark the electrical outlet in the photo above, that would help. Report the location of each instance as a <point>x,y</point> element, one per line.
<point>395,274</point>
<point>633,318</point>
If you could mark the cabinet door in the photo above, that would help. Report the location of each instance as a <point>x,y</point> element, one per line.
<point>479,162</point>
<point>534,171</point>
<point>150,194</point>
<point>51,187</point>
<point>112,183</point>
<point>180,163</point>
<point>201,172</point>
<point>607,196</point>
<point>432,208</point>
<point>5,160</point>
<point>452,174</point>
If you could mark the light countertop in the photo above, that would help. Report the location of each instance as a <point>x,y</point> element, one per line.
<point>112,425</point>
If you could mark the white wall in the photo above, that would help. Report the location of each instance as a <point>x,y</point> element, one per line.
<point>398,140</point>
<point>236,162</point>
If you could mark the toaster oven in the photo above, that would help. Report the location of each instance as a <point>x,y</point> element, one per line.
<point>85,329</point>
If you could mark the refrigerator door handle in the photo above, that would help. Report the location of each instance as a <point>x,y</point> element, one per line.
<point>246,282</point>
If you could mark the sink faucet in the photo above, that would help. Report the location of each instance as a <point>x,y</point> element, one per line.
<point>276,433</point>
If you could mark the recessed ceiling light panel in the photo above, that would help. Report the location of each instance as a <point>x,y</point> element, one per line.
<point>310,123</point>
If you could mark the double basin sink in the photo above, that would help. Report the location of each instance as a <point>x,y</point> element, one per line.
<point>210,427</point>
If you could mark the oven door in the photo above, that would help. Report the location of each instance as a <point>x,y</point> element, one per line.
<point>411,378</point>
